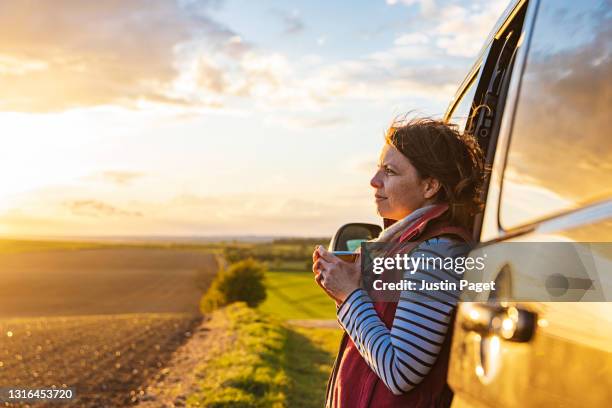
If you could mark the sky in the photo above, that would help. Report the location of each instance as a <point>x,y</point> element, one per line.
<point>159,117</point>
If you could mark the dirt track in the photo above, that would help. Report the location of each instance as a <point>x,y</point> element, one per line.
<point>102,321</point>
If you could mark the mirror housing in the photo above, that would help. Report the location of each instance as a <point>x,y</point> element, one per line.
<point>353,234</point>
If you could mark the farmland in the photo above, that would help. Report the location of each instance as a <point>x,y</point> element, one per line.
<point>105,358</point>
<point>107,319</point>
<point>103,281</point>
<point>101,320</point>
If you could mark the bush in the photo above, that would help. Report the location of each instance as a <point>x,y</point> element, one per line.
<point>242,282</point>
<point>237,254</point>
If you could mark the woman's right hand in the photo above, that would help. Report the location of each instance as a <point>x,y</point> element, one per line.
<point>318,276</point>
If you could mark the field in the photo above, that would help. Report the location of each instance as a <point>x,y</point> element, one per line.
<point>101,320</point>
<point>103,281</point>
<point>106,358</point>
<point>295,295</point>
<point>105,319</point>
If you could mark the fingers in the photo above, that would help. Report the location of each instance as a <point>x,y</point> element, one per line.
<point>325,254</point>
<point>319,279</point>
<point>315,254</point>
<point>317,267</point>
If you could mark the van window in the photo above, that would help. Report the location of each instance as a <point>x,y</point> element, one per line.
<point>463,108</point>
<point>560,152</point>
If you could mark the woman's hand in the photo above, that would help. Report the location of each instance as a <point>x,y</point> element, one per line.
<point>337,277</point>
<point>319,276</point>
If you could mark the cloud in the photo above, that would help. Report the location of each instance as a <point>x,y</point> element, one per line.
<point>95,208</point>
<point>362,165</point>
<point>211,77</point>
<point>165,55</point>
<point>427,6</point>
<point>461,32</point>
<point>411,39</point>
<point>458,31</point>
<point>399,72</point>
<point>264,214</point>
<point>275,212</point>
<point>292,22</point>
<point>121,178</point>
<point>310,121</point>
<point>68,53</point>
<point>563,115</point>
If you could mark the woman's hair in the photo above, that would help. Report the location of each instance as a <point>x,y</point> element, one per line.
<point>438,150</point>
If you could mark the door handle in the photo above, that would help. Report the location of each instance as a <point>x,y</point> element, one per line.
<point>511,323</point>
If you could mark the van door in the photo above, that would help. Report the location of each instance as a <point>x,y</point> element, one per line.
<point>558,354</point>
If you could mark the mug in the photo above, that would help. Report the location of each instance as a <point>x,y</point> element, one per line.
<point>346,256</point>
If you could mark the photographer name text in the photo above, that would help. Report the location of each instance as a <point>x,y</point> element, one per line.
<point>447,286</point>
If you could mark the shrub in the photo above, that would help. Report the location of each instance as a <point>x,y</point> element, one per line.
<point>242,282</point>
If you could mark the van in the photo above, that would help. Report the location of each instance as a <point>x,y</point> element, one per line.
<point>537,99</point>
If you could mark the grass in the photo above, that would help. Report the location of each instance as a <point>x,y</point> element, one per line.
<point>272,363</point>
<point>248,373</point>
<point>310,353</point>
<point>295,295</point>
<point>268,364</point>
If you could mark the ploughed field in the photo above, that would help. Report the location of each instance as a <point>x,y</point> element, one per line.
<point>101,321</point>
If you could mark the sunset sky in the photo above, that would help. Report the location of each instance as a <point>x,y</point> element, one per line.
<point>151,117</point>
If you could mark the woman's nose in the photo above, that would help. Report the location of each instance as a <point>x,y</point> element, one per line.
<point>376,181</point>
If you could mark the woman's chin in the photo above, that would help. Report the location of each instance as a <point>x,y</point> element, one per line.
<point>382,210</point>
<point>386,212</point>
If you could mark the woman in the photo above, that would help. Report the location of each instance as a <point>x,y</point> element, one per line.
<point>396,353</point>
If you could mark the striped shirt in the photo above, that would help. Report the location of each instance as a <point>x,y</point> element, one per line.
<point>404,355</point>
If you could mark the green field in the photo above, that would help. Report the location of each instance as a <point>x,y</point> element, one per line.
<point>295,295</point>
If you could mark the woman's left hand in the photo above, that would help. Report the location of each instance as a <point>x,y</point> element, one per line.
<point>339,278</point>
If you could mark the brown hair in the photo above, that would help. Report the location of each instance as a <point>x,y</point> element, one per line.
<point>438,150</point>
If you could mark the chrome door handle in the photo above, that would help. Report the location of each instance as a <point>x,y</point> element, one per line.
<point>510,323</point>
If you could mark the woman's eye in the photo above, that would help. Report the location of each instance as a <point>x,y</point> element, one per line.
<point>389,171</point>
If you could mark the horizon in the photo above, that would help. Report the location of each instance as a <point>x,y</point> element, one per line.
<point>158,238</point>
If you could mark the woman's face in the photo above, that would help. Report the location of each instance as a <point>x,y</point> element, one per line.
<point>399,189</point>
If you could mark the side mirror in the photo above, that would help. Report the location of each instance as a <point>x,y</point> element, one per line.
<point>350,236</point>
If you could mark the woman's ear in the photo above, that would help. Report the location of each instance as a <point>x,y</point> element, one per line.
<point>431,187</point>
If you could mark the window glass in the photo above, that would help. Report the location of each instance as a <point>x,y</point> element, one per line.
<point>462,109</point>
<point>560,153</point>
